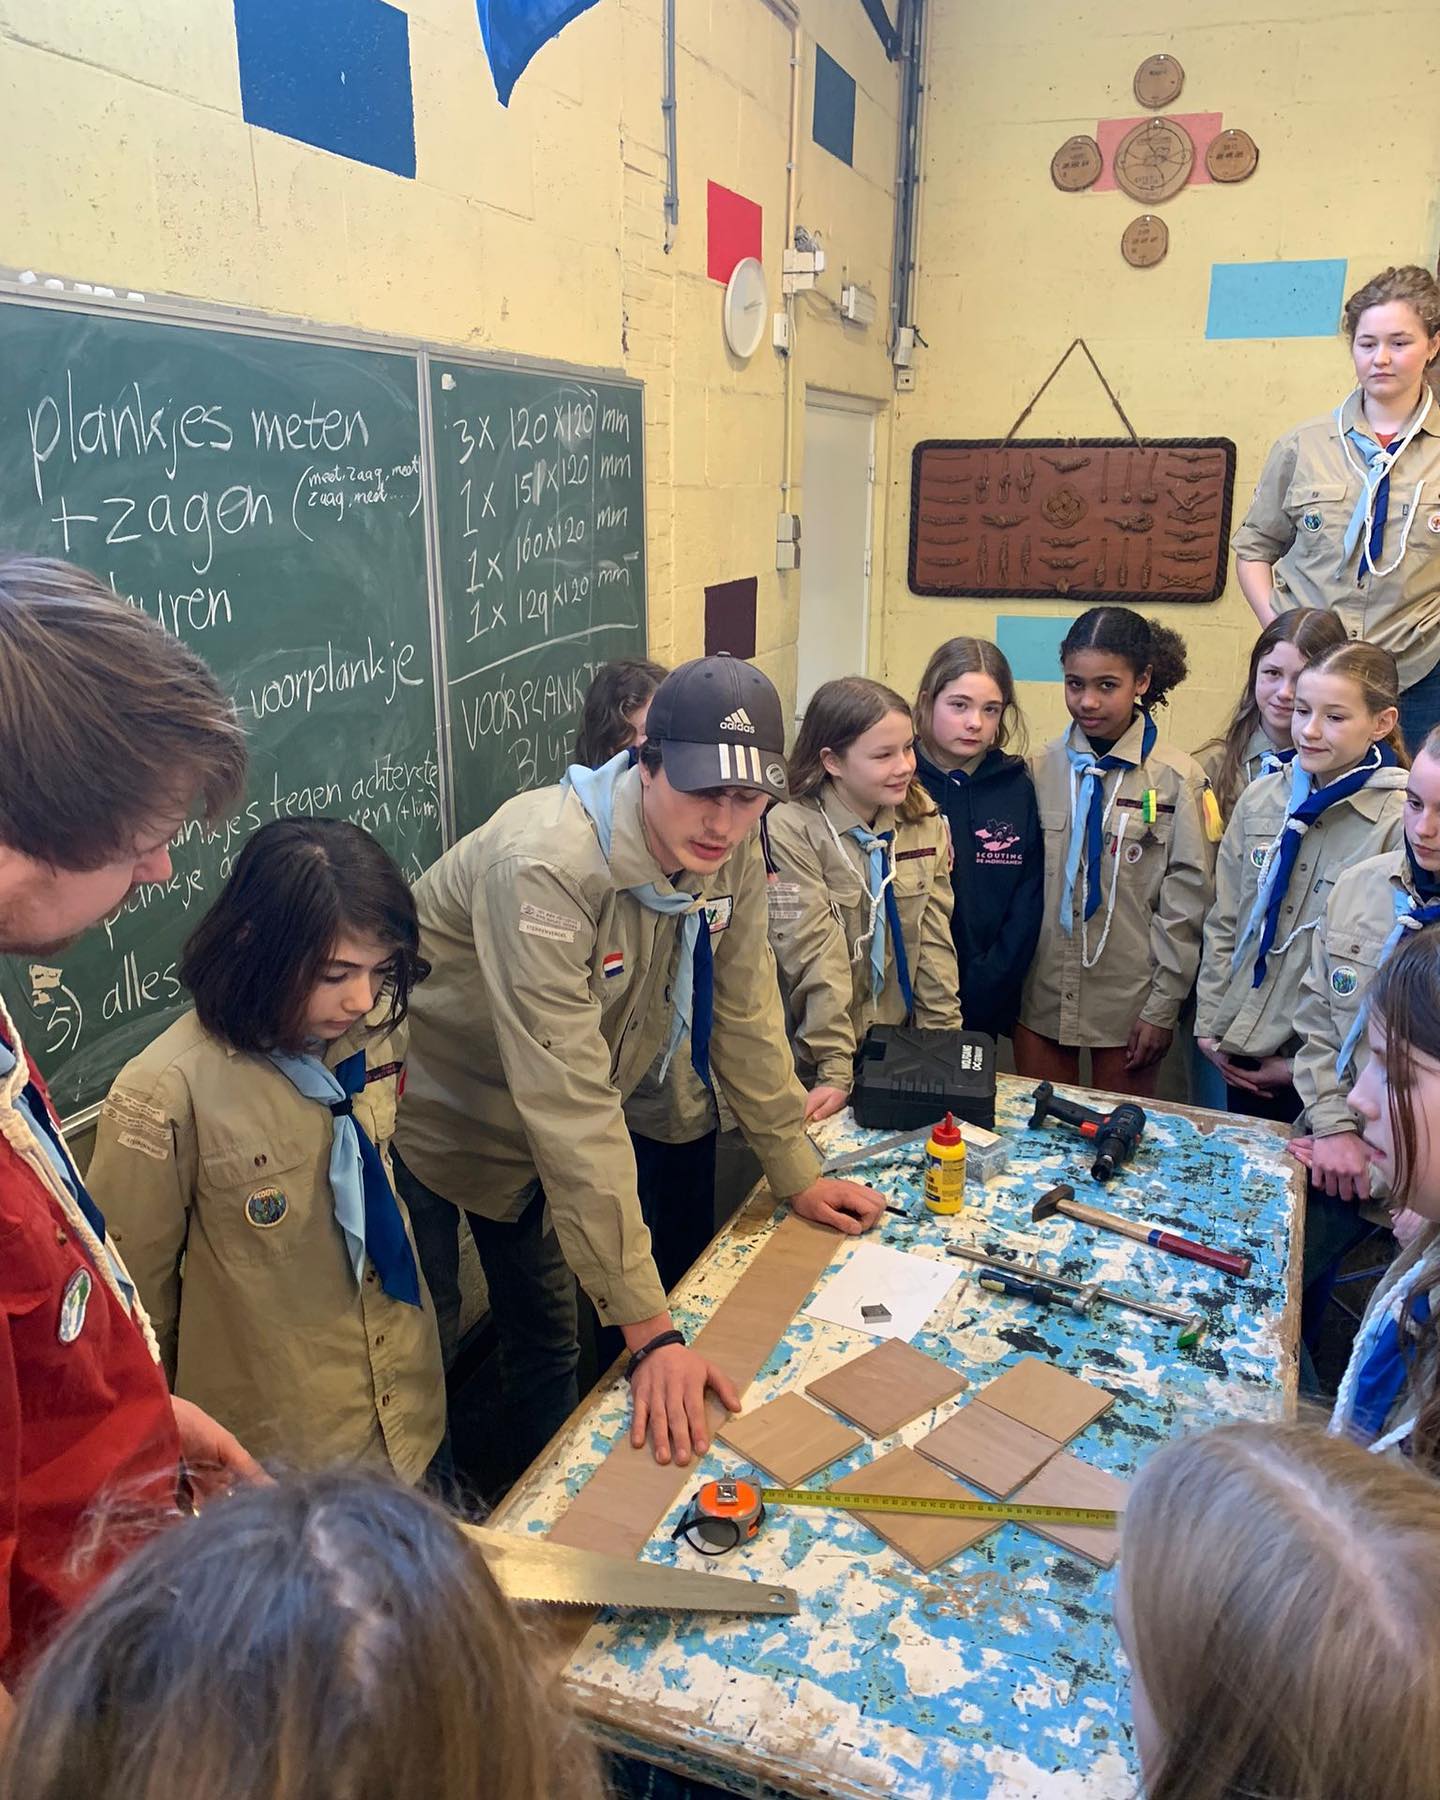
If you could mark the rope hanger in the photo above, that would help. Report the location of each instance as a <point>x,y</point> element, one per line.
<point>1075,343</point>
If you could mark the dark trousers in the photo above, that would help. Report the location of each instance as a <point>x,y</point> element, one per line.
<point>1420,709</point>
<point>532,1301</point>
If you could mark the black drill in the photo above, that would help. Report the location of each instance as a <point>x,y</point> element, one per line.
<point>1116,1134</point>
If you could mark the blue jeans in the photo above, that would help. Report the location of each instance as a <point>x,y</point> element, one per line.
<point>1420,709</point>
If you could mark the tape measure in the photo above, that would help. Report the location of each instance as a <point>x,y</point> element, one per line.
<point>725,1514</point>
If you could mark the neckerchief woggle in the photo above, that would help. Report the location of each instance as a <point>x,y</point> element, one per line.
<point>1413,912</point>
<point>364,1203</point>
<point>1306,806</point>
<point>1273,761</point>
<point>1087,819</point>
<point>879,845</point>
<point>692,993</point>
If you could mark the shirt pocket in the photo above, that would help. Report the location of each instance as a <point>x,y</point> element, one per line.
<point>1144,850</point>
<point>1352,959</point>
<point>1318,512</point>
<point>1055,829</point>
<point>266,1202</point>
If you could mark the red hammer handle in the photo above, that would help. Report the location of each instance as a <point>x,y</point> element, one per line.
<point>1231,1261</point>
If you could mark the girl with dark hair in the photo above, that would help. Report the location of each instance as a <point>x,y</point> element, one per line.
<point>964,716</point>
<point>1128,863</point>
<point>861,901</point>
<point>1346,514</point>
<point>243,1158</point>
<point>335,1637</point>
<point>616,702</point>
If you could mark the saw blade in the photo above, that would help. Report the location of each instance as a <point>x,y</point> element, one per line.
<point>532,1569</point>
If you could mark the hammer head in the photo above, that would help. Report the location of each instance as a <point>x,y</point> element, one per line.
<point>1050,1203</point>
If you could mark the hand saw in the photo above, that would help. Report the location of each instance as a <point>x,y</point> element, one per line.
<point>852,1159</point>
<point>532,1569</point>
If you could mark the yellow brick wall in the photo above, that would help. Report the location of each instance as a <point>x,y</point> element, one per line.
<point>538,230</point>
<point>1344,104</point>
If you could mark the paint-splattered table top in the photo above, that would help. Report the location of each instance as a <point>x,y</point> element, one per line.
<point>997,1676</point>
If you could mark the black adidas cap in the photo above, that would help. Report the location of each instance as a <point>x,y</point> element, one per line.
<point>719,723</point>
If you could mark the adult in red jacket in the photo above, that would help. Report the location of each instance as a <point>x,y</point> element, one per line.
<point>110,731</point>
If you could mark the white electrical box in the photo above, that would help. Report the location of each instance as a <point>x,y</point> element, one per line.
<point>787,541</point>
<point>857,304</point>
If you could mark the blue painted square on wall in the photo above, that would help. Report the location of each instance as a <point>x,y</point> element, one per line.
<point>1276,299</point>
<point>833,126</point>
<point>333,73</point>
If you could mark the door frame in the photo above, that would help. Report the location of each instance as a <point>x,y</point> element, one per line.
<point>831,400</point>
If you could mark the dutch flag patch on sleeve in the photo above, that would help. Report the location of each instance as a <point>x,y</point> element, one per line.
<point>613,963</point>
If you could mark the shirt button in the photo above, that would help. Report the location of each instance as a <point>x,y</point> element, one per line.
<point>380,1340</point>
<point>371,1277</point>
<point>384,1399</point>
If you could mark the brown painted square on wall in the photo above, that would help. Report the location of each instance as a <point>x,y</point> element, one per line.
<point>1080,519</point>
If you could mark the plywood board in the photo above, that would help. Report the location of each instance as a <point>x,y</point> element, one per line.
<point>618,1509</point>
<point>1046,1398</point>
<point>924,1542</point>
<point>1066,1481</point>
<point>790,1439</point>
<point>887,1387</point>
<point>988,1448</point>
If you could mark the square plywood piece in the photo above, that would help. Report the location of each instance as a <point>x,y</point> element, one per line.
<point>789,1439</point>
<point>1066,1481</point>
<point>924,1542</point>
<point>988,1448</point>
<point>1046,1398</point>
<point>887,1387</point>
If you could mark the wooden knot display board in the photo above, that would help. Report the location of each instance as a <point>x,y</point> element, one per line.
<point>1086,519</point>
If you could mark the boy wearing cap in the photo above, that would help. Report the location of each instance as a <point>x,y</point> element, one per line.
<point>572,938</point>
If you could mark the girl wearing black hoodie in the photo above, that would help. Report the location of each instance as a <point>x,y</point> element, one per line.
<point>964,716</point>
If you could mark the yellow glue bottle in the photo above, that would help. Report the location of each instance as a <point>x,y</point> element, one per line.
<point>945,1168</point>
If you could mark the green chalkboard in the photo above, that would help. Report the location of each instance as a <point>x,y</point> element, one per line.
<point>262,496</point>
<point>540,527</point>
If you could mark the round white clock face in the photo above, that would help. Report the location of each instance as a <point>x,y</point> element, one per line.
<point>745,307</point>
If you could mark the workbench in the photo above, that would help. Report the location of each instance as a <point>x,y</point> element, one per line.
<point>997,1676</point>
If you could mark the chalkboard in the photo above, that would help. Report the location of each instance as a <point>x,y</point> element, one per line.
<point>540,528</point>
<point>261,495</point>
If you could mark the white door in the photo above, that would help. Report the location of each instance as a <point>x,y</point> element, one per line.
<point>836,506</point>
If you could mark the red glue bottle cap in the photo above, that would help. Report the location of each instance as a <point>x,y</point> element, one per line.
<point>948,1133</point>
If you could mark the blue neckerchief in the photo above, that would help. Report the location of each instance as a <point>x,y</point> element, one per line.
<point>1377,482</point>
<point>1304,809</point>
<point>1383,1374</point>
<point>1273,761</point>
<point>366,1209</point>
<point>1087,821</point>
<point>692,993</point>
<point>878,846</point>
<point>1413,911</point>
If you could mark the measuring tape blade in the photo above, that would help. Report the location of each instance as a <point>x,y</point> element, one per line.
<point>1098,1518</point>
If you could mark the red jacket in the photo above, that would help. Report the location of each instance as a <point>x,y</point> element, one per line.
<point>85,1414</point>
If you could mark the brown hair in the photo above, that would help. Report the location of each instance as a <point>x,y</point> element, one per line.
<point>839,712</point>
<point>1373,671</point>
<point>1411,285</point>
<point>334,1637</point>
<point>252,963</point>
<point>106,721</point>
<point>616,693</point>
<point>1405,998</point>
<point>1142,643</point>
<point>969,656</point>
<point>1279,1590</point>
<point>1312,630</point>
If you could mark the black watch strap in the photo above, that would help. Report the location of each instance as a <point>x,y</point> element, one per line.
<point>664,1339</point>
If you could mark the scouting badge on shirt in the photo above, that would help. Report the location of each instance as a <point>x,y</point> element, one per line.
<point>718,911</point>
<point>1344,980</point>
<point>1257,856</point>
<point>1134,851</point>
<point>1312,521</point>
<point>73,1303</point>
<point>1432,524</point>
<point>266,1207</point>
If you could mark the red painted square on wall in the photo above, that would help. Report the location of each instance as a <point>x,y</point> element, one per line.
<point>734,230</point>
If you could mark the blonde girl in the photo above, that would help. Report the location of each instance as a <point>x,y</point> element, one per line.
<point>1127,863</point>
<point>965,717</point>
<point>861,900</point>
<point>1289,839</point>
<point>1276,1603</point>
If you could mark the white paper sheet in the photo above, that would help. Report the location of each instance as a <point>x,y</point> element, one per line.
<point>875,1275</point>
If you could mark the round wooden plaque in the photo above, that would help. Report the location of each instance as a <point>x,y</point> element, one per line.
<point>1076,165</point>
<point>1232,156</point>
<point>1154,160</point>
<point>1158,81</point>
<point>1145,241</point>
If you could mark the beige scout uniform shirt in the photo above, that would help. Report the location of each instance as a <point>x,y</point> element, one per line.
<point>549,999</point>
<point>1212,755</point>
<point>1344,960</point>
<point>263,1324</point>
<point>1251,1021</point>
<point>1296,522</point>
<point>824,964</point>
<point>677,1108</point>
<point>1163,875</point>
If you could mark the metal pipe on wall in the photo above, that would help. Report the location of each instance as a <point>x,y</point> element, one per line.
<point>672,150</point>
<point>907,170</point>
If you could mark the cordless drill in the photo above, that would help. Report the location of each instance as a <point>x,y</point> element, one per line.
<point>1115,1134</point>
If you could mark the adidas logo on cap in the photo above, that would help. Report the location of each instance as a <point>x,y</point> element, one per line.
<point>739,720</point>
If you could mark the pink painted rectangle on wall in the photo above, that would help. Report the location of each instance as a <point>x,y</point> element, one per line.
<point>1203,128</point>
<point>733,230</point>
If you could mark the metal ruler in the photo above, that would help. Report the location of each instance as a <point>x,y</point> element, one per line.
<point>1098,1518</point>
<point>852,1159</point>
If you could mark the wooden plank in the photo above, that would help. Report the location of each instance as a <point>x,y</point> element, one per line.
<point>988,1448</point>
<point>887,1387</point>
<point>1066,1481</point>
<point>790,1440</point>
<point>1046,1398</point>
<point>924,1542</point>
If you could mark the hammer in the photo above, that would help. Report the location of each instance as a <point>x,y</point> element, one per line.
<point>1061,1199</point>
